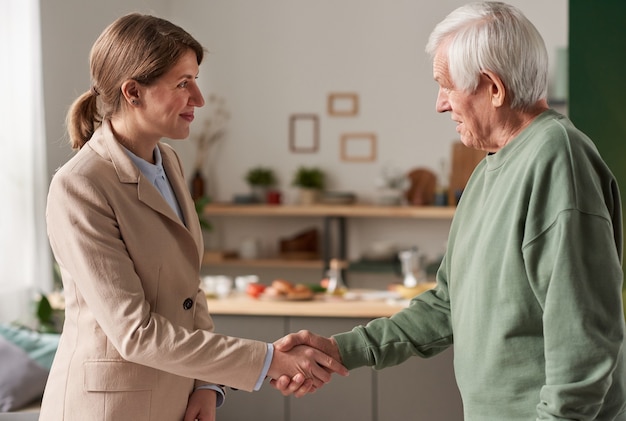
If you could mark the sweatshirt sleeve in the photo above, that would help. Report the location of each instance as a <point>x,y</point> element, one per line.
<point>422,329</point>
<point>578,282</point>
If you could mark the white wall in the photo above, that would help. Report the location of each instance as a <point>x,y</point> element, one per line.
<point>272,58</point>
<point>69,29</point>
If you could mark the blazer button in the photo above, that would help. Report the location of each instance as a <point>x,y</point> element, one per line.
<point>188,303</point>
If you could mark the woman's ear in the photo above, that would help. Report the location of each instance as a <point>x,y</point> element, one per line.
<point>497,90</point>
<point>131,91</point>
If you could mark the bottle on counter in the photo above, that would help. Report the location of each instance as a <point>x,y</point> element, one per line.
<point>336,285</point>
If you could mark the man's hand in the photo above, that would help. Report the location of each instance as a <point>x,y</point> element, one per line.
<point>327,345</point>
<point>201,405</point>
<point>307,368</point>
<point>299,385</point>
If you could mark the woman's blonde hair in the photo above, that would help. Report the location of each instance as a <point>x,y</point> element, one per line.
<point>135,46</point>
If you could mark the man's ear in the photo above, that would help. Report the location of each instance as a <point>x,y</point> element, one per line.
<point>131,91</point>
<point>496,88</point>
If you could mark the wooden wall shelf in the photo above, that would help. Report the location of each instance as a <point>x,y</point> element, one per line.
<point>352,211</point>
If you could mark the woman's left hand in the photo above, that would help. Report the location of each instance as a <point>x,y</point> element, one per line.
<point>201,405</point>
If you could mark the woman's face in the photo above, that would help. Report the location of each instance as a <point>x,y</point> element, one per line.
<point>169,103</point>
<point>472,111</point>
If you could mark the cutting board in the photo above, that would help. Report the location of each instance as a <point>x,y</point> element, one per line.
<point>463,161</point>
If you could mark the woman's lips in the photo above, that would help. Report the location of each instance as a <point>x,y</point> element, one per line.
<point>188,116</point>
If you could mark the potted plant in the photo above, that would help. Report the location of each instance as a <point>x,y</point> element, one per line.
<point>260,180</point>
<point>199,204</point>
<point>311,183</point>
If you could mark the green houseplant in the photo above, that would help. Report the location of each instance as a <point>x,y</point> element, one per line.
<point>309,178</point>
<point>199,204</point>
<point>260,176</point>
<point>260,180</point>
<point>311,181</point>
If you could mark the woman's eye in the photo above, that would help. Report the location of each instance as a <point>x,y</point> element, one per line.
<point>183,84</point>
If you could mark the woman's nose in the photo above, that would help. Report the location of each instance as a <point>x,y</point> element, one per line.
<point>196,98</point>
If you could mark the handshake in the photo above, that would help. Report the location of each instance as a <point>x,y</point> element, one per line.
<point>303,362</point>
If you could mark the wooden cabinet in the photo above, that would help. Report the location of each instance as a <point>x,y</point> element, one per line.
<point>266,403</point>
<point>344,398</point>
<point>417,389</point>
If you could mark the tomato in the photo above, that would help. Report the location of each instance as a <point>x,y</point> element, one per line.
<point>255,289</point>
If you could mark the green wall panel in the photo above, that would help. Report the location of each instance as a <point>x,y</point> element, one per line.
<point>597,74</point>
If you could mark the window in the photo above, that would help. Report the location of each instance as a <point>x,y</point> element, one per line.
<point>25,264</point>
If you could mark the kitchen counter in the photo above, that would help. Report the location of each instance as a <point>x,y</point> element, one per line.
<point>239,304</point>
<point>366,394</point>
<point>320,306</point>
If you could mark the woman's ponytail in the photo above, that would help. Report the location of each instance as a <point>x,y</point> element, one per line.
<point>83,119</point>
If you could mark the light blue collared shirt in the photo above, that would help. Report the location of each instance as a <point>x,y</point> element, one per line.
<point>157,176</point>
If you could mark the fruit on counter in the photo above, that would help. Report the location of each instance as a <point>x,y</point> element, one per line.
<point>282,286</point>
<point>255,289</point>
<point>300,292</point>
<point>411,292</point>
<point>282,289</point>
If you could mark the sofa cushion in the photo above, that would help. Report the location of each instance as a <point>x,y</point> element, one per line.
<point>40,347</point>
<point>22,380</point>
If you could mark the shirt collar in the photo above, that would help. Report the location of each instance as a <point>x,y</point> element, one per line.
<point>151,171</point>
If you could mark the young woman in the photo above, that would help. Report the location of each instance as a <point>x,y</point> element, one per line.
<point>137,342</point>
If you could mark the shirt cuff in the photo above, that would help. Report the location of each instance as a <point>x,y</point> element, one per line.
<point>266,366</point>
<point>221,395</point>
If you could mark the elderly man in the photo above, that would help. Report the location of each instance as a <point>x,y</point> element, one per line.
<point>529,291</point>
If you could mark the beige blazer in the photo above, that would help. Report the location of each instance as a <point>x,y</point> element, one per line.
<point>137,329</point>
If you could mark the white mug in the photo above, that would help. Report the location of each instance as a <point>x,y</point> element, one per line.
<point>242,282</point>
<point>223,286</point>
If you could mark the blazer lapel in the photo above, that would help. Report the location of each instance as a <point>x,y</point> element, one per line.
<point>173,169</point>
<point>105,144</point>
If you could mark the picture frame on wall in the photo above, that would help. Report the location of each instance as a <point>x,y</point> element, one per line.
<point>343,104</point>
<point>304,133</point>
<point>358,147</point>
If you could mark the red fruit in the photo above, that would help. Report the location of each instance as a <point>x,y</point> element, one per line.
<point>254,289</point>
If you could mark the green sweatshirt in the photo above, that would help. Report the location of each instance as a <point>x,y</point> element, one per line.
<point>529,291</point>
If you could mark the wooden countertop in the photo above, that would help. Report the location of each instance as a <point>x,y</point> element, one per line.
<point>241,304</point>
<point>319,307</point>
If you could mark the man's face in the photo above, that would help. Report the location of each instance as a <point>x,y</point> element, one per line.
<point>472,111</point>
